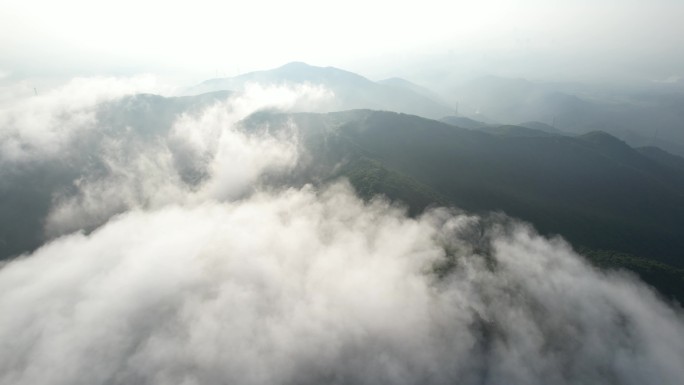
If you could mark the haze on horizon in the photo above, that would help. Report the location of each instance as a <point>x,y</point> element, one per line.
<point>582,40</point>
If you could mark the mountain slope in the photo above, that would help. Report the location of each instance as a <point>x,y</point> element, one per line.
<point>405,84</point>
<point>594,190</point>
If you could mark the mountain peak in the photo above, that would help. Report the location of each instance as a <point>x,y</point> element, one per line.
<point>351,90</point>
<point>296,65</point>
<point>603,138</point>
<point>304,68</point>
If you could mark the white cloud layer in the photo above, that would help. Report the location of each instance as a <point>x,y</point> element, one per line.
<point>305,287</point>
<point>124,167</point>
<point>147,174</point>
<point>33,124</point>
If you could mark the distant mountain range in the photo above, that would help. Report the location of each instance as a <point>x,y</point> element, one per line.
<point>644,116</point>
<point>641,116</point>
<point>351,91</point>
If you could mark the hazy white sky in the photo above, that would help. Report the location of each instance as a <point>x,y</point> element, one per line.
<point>202,38</point>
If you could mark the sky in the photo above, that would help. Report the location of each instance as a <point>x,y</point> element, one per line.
<point>193,41</point>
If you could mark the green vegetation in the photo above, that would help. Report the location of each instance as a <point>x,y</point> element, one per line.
<point>668,280</point>
<point>370,179</point>
<point>594,190</point>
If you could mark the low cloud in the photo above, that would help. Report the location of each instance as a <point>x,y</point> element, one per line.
<point>42,125</point>
<point>116,165</point>
<point>310,287</point>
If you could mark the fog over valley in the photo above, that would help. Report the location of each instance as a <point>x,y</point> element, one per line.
<point>352,194</point>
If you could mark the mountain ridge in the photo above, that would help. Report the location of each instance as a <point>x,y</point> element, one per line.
<point>351,91</point>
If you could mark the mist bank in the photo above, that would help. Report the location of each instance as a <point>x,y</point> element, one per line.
<point>306,286</point>
<point>71,163</point>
